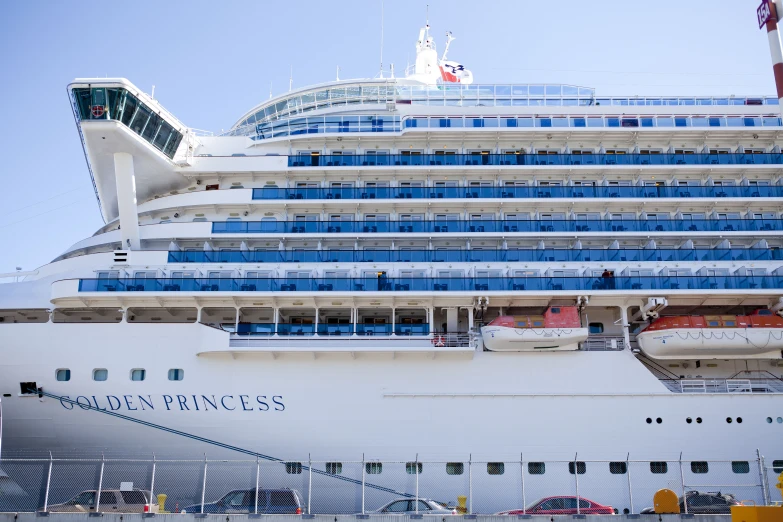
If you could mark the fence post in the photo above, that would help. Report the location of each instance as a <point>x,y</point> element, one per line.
<point>100,486</point>
<point>682,481</point>
<point>763,478</point>
<point>204,484</point>
<point>628,471</point>
<point>309,483</point>
<point>48,482</point>
<point>522,473</point>
<point>258,473</point>
<point>152,482</point>
<point>576,478</point>
<point>416,470</point>
<point>470,484</point>
<point>364,468</point>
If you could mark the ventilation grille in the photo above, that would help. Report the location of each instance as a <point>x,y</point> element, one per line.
<point>121,256</point>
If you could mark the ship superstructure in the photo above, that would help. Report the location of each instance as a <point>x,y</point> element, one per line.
<point>367,256</point>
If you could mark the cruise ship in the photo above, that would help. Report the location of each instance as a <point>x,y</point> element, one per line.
<point>416,267</point>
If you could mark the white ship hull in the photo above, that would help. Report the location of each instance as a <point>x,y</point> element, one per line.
<point>712,343</point>
<point>502,338</point>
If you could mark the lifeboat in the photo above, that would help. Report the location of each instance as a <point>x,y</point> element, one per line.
<point>759,335</point>
<point>559,329</point>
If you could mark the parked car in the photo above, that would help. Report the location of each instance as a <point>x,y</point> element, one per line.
<point>704,504</point>
<point>270,501</point>
<point>112,501</point>
<point>407,506</point>
<point>563,505</point>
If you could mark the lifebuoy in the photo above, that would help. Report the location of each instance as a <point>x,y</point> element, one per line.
<point>438,341</point>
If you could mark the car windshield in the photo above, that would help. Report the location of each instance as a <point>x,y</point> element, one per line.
<point>82,499</point>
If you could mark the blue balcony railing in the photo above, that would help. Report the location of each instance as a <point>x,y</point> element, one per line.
<point>440,284</point>
<point>537,160</point>
<point>474,226</point>
<point>570,192</point>
<point>475,256</point>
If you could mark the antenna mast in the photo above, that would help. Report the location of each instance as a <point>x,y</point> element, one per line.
<point>291,79</point>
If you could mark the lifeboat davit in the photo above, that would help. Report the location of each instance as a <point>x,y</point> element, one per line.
<point>759,335</point>
<point>559,329</point>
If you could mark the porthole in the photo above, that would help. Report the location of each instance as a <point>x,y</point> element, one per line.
<point>659,468</point>
<point>100,374</point>
<point>496,468</point>
<point>373,468</point>
<point>411,468</point>
<point>740,466</point>
<point>780,420</point>
<point>698,420</point>
<point>455,468</point>
<point>536,468</point>
<point>334,468</point>
<point>64,374</point>
<point>689,420</point>
<point>739,420</point>
<point>138,374</point>
<point>175,374</point>
<point>649,420</point>
<point>659,420</point>
<point>728,419</point>
<point>769,420</point>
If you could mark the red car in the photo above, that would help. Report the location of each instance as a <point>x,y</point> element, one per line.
<point>564,505</point>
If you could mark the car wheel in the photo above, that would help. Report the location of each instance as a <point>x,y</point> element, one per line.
<point>616,511</point>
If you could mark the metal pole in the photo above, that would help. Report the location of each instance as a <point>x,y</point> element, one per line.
<point>763,478</point>
<point>416,470</point>
<point>470,483</point>
<point>48,482</point>
<point>152,483</point>
<point>309,483</point>
<point>100,486</point>
<point>522,472</point>
<point>682,481</point>
<point>576,477</point>
<point>258,473</point>
<point>364,467</point>
<point>628,472</point>
<point>204,484</point>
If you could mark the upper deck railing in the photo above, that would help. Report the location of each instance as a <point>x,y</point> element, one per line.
<point>375,92</point>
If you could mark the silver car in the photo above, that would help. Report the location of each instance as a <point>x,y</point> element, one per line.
<point>407,506</point>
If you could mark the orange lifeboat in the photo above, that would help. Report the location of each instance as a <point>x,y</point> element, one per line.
<point>558,329</point>
<point>759,335</point>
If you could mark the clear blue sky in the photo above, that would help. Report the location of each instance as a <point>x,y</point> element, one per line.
<point>212,61</point>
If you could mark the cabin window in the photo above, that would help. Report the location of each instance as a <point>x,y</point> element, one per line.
<point>659,468</point>
<point>496,468</point>
<point>618,468</point>
<point>777,465</point>
<point>334,468</point>
<point>373,468</point>
<point>293,468</point>
<point>63,374</point>
<point>700,467</point>
<point>176,374</point>
<point>138,374</point>
<point>538,324</point>
<point>100,374</point>
<point>596,328</point>
<point>455,468</point>
<point>740,466</point>
<point>412,467</point>
<point>580,467</point>
<point>536,468</point>
<point>555,310</point>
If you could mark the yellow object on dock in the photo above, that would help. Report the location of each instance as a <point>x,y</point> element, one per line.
<point>756,513</point>
<point>666,502</point>
<point>162,502</point>
<point>462,504</point>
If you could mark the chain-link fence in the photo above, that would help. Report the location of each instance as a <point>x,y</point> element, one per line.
<point>344,487</point>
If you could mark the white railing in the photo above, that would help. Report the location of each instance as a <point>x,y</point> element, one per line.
<point>724,385</point>
<point>603,343</point>
<point>353,342</point>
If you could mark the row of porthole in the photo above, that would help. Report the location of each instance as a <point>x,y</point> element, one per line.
<point>102,374</point>
<point>729,420</point>
<point>533,468</point>
<point>779,420</point>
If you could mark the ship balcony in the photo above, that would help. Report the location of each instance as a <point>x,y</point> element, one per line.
<point>532,160</point>
<point>745,386</point>
<point>666,280</point>
<point>452,226</point>
<point>542,255</point>
<point>514,192</point>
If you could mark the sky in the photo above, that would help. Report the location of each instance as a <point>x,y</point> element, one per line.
<point>212,61</point>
